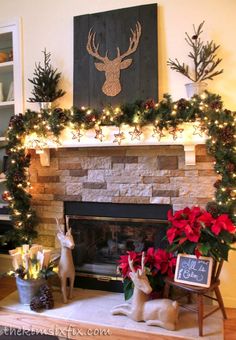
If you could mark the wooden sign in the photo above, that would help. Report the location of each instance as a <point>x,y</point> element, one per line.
<point>115,57</point>
<point>193,271</point>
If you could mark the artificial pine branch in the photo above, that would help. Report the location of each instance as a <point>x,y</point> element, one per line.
<point>202,55</point>
<point>45,81</point>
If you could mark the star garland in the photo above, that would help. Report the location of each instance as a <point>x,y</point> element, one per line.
<point>205,111</point>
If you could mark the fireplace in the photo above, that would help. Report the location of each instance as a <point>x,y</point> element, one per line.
<point>104,231</point>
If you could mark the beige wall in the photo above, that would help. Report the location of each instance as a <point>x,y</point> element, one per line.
<point>49,23</point>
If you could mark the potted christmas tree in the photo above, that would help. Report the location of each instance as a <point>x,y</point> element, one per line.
<point>203,56</point>
<point>45,81</point>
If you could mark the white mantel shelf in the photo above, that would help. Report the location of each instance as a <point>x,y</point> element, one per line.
<point>189,138</point>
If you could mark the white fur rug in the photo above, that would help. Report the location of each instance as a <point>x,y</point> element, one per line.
<point>92,306</point>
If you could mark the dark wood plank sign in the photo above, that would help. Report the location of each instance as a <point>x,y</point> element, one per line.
<point>193,271</point>
<point>115,57</point>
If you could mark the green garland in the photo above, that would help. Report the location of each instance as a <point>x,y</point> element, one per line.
<point>208,109</point>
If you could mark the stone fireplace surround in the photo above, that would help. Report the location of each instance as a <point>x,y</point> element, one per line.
<point>140,174</point>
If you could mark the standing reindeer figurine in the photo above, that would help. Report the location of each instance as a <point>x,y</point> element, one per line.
<point>158,312</point>
<point>66,265</point>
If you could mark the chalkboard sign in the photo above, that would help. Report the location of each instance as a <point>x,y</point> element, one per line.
<point>193,271</point>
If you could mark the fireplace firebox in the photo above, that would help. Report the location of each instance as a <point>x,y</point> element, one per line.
<point>104,231</point>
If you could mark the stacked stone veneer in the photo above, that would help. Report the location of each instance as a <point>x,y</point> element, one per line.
<point>153,174</point>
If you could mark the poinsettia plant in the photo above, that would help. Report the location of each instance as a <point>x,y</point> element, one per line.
<point>158,264</point>
<point>195,231</point>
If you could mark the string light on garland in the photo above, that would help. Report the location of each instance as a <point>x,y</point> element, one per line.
<point>136,133</point>
<point>119,137</point>
<point>99,134</point>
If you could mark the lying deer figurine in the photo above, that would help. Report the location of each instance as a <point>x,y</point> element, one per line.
<point>158,312</point>
<point>66,265</point>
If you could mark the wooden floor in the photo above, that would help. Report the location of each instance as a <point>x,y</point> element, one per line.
<point>7,286</point>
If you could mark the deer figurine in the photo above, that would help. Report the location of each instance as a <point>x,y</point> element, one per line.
<point>66,265</point>
<point>112,68</point>
<point>158,312</point>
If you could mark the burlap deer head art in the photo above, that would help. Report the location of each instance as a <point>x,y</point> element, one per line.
<point>112,68</point>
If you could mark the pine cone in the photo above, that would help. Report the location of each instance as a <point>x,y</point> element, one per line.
<point>44,289</point>
<point>213,209</point>
<point>227,134</point>
<point>182,104</point>
<point>230,167</point>
<point>216,104</point>
<point>46,297</point>
<point>36,304</point>
<point>217,184</point>
<point>47,301</point>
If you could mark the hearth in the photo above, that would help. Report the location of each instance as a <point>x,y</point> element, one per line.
<point>104,231</point>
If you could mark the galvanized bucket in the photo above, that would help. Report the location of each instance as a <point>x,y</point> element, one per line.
<point>27,289</point>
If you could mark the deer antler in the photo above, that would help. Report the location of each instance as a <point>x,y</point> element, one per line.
<point>92,48</point>
<point>131,264</point>
<point>58,225</point>
<point>67,223</point>
<point>142,261</point>
<point>133,41</point>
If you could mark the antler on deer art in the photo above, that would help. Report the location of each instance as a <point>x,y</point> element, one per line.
<point>112,68</point>
<point>159,312</point>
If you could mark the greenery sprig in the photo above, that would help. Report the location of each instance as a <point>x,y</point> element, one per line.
<point>203,56</point>
<point>216,121</point>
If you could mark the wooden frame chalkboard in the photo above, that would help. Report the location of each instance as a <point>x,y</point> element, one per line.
<point>193,271</point>
<point>110,31</point>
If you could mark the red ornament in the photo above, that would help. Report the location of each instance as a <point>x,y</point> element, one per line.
<point>6,196</point>
<point>149,104</point>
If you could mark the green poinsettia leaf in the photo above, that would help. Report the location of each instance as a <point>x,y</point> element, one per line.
<point>226,236</point>
<point>204,249</point>
<point>188,247</point>
<point>156,282</point>
<point>128,288</point>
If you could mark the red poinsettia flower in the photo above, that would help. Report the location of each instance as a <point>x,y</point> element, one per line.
<point>206,219</point>
<point>124,263</point>
<point>164,262</point>
<point>192,233</point>
<point>172,265</point>
<point>193,225</point>
<point>223,223</point>
<point>171,234</point>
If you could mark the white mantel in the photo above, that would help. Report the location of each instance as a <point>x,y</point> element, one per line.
<point>189,138</point>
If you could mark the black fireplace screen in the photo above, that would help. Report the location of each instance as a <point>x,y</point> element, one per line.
<point>99,241</point>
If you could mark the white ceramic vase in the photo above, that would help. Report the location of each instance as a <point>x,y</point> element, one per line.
<point>195,88</point>
<point>45,105</point>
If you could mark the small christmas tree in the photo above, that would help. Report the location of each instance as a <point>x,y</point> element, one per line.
<point>203,57</point>
<point>45,81</point>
